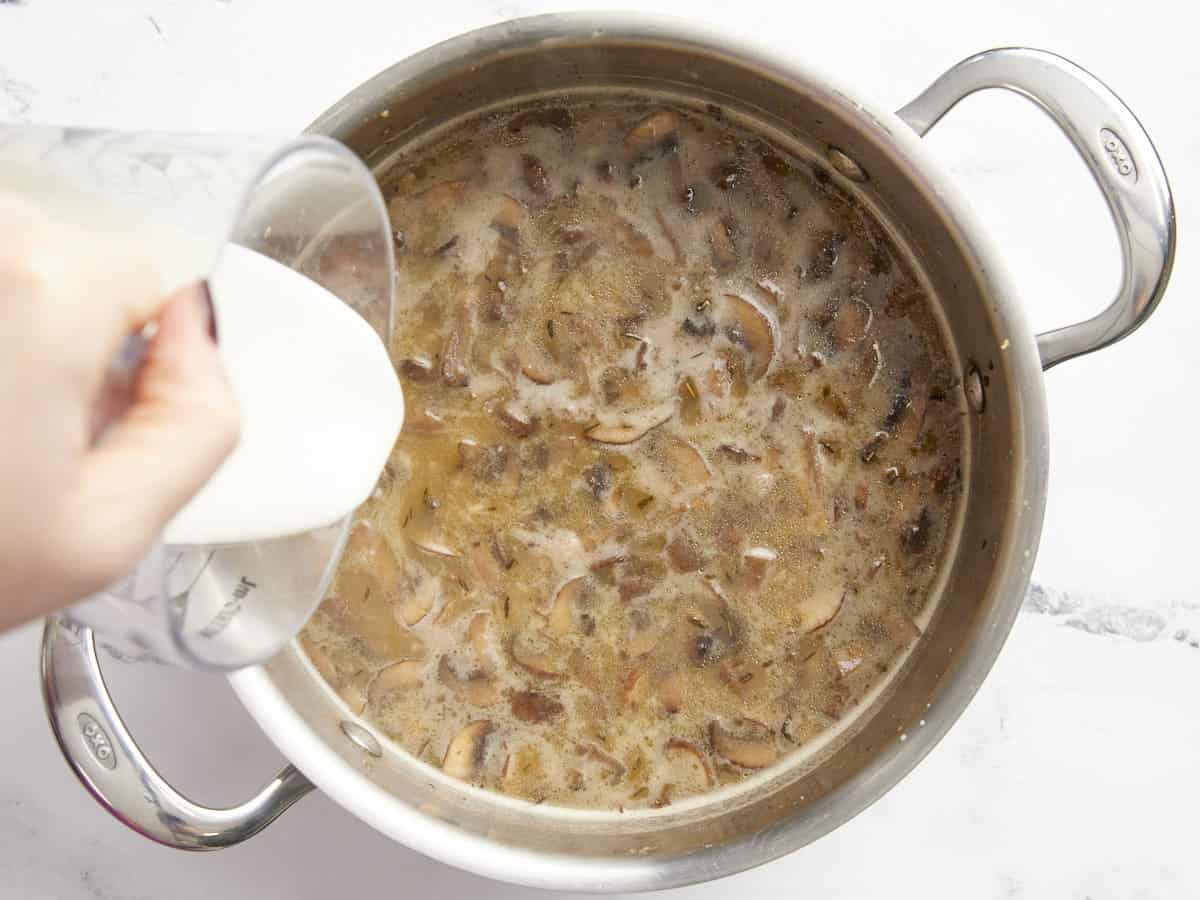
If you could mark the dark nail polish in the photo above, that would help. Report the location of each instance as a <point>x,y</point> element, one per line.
<point>206,295</point>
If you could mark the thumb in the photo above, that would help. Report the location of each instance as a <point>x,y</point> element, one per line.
<point>182,423</point>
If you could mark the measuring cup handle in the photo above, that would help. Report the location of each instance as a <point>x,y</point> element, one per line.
<point>106,759</point>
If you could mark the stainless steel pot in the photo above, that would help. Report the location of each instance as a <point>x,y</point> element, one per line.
<point>880,157</point>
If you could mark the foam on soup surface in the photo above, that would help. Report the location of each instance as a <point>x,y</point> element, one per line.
<point>682,451</point>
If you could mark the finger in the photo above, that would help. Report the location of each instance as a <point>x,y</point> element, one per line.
<point>87,289</point>
<point>182,424</point>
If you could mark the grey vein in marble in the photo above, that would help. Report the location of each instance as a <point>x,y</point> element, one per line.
<point>1098,615</point>
<point>17,96</point>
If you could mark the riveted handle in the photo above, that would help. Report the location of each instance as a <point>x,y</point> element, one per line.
<point>1119,155</point>
<point>107,760</point>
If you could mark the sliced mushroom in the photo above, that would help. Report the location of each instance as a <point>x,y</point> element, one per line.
<point>484,565</point>
<point>423,421</point>
<point>555,117</point>
<point>476,688</point>
<point>669,233</point>
<point>443,248</point>
<point>685,464</point>
<point>718,629</point>
<point>870,364</point>
<point>851,324</point>
<point>477,637</point>
<point>464,755</point>
<point>535,174</point>
<point>641,642</point>
<point>757,330</point>
<point>690,409</point>
<point>454,355</point>
<point>458,603</point>
<point>636,687</point>
<point>724,253</point>
<point>651,131</point>
<point>756,564</point>
<point>790,378</point>
<point>539,654</point>
<point>901,626</point>
<point>480,692</point>
<point>771,290</point>
<point>698,326</point>
<point>746,680</point>
<point>598,479</point>
<point>914,538</point>
<point>537,366</point>
<point>534,707</point>
<point>517,420</point>
<point>573,235</point>
<point>900,298</point>
<point>634,239</point>
<point>416,368</point>
<point>821,607</point>
<point>613,767</point>
<point>401,676</point>
<point>561,620</point>
<point>717,381</point>
<point>861,495</point>
<point>368,551</point>
<point>444,197</point>
<point>365,609</point>
<point>605,564</point>
<point>685,554</point>
<point>435,547</point>
<point>509,218</point>
<point>729,175</point>
<point>872,447</point>
<point>826,688</point>
<point>636,586</point>
<point>617,384</point>
<point>825,255</point>
<point>804,724</point>
<point>418,597</point>
<point>744,742</point>
<point>480,460</point>
<point>689,749</point>
<point>624,432</point>
<point>810,451</point>
<point>907,417</point>
<point>716,593</point>
<point>670,692</point>
<point>644,345</point>
<point>739,454</point>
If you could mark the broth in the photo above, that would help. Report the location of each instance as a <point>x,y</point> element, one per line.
<point>682,453</point>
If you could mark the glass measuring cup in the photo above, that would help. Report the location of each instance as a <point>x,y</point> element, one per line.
<point>307,203</point>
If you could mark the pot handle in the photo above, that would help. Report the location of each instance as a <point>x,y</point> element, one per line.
<point>1120,157</point>
<point>107,761</point>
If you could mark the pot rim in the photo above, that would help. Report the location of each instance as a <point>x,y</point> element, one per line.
<point>354,790</point>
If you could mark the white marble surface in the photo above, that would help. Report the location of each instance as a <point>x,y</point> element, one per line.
<point>1072,775</point>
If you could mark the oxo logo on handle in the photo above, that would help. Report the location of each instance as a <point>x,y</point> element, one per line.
<point>1118,153</point>
<point>97,742</point>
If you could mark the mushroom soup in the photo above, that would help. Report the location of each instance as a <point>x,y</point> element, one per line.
<point>682,453</point>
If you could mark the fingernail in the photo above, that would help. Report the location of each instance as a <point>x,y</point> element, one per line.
<point>204,294</point>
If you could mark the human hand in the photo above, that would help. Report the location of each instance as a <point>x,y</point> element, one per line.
<point>83,494</point>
